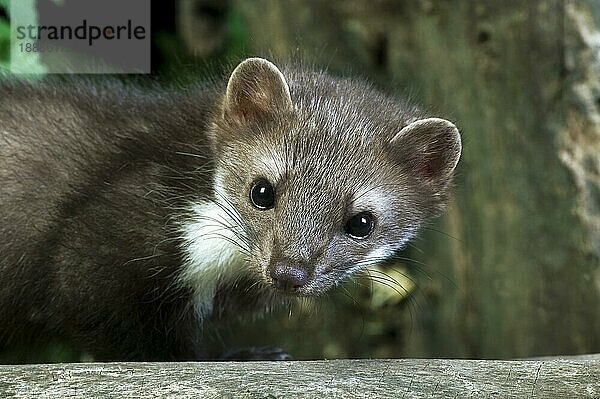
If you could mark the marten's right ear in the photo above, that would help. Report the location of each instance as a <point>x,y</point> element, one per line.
<point>256,88</point>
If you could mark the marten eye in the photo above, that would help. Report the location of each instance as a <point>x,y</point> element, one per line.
<point>360,225</point>
<point>262,194</point>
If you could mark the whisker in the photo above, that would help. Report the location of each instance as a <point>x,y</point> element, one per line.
<point>443,233</point>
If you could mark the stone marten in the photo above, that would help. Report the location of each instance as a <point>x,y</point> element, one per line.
<point>129,216</point>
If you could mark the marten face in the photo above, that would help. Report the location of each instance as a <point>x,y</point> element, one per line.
<point>320,178</point>
<point>315,220</point>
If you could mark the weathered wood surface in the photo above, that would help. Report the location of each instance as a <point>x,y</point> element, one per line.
<point>569,378</point>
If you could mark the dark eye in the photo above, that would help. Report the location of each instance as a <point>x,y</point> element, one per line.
<point>262,194</point>
<point>360,225</point>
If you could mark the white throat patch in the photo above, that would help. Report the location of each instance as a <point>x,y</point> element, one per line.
<point>212,256</point>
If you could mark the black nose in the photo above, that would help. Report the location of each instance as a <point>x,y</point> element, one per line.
<point>288,277</point>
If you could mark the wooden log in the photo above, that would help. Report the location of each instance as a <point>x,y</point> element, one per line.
<point>422,378</point>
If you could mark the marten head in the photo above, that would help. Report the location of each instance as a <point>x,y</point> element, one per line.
<point>315,178</point>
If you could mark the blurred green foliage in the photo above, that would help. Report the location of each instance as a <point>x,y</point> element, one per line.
<point>4,36</point>
<point>29,61</point>
<point>181,67</point>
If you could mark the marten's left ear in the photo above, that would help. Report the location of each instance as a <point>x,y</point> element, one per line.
<point>430,148</point>
<point>256,88</point>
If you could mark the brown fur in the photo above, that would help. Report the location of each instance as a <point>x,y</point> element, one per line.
<point>96,178</point>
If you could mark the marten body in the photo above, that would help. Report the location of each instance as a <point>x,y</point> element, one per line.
<point>130,216</point>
